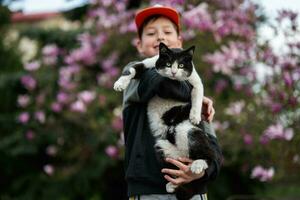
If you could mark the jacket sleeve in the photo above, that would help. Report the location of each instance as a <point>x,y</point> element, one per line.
<point>214,168</point>
<point>152,83</point>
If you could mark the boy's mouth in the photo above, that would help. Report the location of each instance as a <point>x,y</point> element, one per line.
<point>156,47</point>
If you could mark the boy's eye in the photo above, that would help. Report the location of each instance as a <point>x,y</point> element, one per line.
<point>181,65</point>
<point>168,64</point>
<point>150,34</point>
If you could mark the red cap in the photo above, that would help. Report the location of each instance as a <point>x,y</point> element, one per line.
<point>157,9</point>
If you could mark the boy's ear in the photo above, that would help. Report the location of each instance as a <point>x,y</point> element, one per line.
<point>139,46</point>
<point>180,40</point>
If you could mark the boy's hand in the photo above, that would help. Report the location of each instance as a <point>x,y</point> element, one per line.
<point>183,174</point>
<point>208,110</point>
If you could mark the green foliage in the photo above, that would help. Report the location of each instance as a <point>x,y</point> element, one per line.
<point>66,39</point>
<point>78,13</point>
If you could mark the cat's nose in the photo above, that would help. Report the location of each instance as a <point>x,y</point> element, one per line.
<point>173,73</point>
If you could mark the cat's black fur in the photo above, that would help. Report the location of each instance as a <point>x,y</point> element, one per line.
<point>171,117</point>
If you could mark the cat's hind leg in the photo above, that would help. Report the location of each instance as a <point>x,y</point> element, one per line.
<point>170,187</point>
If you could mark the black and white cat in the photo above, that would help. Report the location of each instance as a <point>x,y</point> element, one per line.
<point>174,123</point>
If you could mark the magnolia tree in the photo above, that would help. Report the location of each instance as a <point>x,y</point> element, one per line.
<point>69,100</point>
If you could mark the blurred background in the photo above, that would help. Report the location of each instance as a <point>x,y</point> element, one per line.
<point>60,120</point>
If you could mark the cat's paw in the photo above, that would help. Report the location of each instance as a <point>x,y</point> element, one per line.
<point>198,166</point>
<point>122,83</point>
<point>170,187</point>
<point>195,116</point>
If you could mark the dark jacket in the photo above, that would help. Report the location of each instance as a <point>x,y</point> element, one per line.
<point>142,168</point>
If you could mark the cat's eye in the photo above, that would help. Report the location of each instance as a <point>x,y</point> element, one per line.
<point>168,64</point>
<point>181,66</point>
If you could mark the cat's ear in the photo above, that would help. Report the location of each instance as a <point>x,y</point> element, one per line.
<point>163,48</point>
<point>191,50</point>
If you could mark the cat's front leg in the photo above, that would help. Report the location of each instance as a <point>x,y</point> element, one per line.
<point>196,97</point>
<point>122,83</point>
<point>134,71</point>
<point>198,166</point>
<point>150,62</point>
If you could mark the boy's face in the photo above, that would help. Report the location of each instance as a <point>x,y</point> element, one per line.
<point>156,31</point>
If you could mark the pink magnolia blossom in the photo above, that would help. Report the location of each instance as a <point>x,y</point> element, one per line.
<point>112,151</point>
<point>228,58</point>
<point>50,50</point>
<point>23,100</point>
<point>32,66</point>
<point>108,65</point>
<point>49,169</point>
<point>248,139</point>
<point>62,97</point>
<point>277,131</point>
<point>288,80</point>
<point>50,60</point>
<point>65,76</point>
<point>87,96</point>
<point>78,106</point>
<point>262,174</point>
<point>220,86</point>
<point>50,53</point>
<point>130,28</point>
<point>276,107</point>
<point>188,34</point>
<point>24,117</point>
<point>221,126</point>
<point>85,54</point>
<point>67,84</point>
<point>28,82</point>
<point>235,108</point>
<point>198,18</point>
<point>40,116</point>
<point>56,107</point>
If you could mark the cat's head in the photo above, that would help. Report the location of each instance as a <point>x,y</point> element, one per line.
<point>175,63</point>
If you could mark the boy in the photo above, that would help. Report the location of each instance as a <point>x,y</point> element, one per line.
<point>144,174</point>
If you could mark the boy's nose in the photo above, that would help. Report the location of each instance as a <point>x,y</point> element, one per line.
<point>160,37</point>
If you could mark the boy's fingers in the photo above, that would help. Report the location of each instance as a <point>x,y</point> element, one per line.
<point>177,163</point>
<point>172,172</point>
<point>175,181</point>
<point>185,160</point>
<point>210,116</point>
<point>208,104</point>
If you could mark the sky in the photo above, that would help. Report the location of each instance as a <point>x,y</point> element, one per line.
<point>36,6</point>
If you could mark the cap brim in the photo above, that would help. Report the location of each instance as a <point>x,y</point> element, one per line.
<point>168,12</point>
